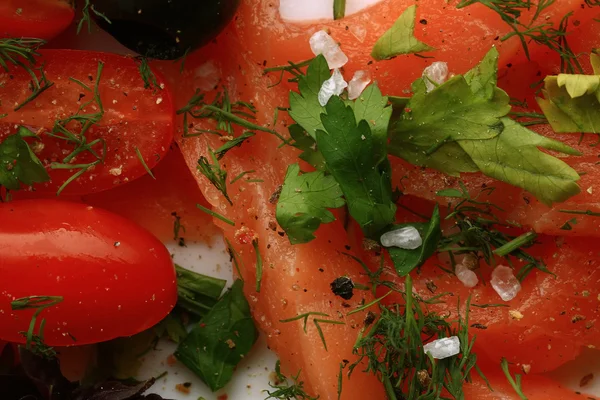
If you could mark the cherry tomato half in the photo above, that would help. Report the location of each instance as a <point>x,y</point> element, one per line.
<point>133,133</point>
<point>115,278</point>
<point>43,19</point>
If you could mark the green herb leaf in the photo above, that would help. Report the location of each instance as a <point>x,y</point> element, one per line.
<point>400,38</point>
<point>197,293</point>
<point>571,102</point>
<point>18,164</point>
<point>407,260</point>
<point>373,107</point>
<point>351,155</point>
<point>303,203</point>
<point>514,157</point>
<point>218,343</point>
<point>214,173</point>
<point>308,145</point>
<point>461,126</point>
<point>235,142</point>
<point>305,108</point>
<point>339,9</point>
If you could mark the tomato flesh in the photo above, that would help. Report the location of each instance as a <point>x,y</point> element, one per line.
<point>43,19</point>
<point>116,278</point>
<point>134,118</point>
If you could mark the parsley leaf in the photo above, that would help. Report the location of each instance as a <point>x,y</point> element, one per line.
<point>514,157</point>
<point>305,108</point>
<point>372,107</point>
<point>303,141</point>
<point>462,126</point>
<point>571,101</point>
<point>303,203</point>
<point>400,38</point>
<point>351,155</point>
<point>407,260</point>
<point>18,164</point>
<point>197,293</point>
<point>223,337</point>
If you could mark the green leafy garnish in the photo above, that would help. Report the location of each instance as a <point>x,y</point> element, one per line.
<point>235,142</point>
<point>219,342</point>
<point>303,141</point>
<point>407,260</point>
<point>86,18</point>
<point>462,126</point>
<point>514,382</point>
<point>400,38</point>
<point>393,351</point>
<point>305,108</point>
<point>197,293</point>
<point>304,202</point>
<point>286,391</point>
<point>339,9</point>
<point>214,173</point>
<point>571,101</point>
<point>147,74</point>
<point>356,160</point>
<point>35,342</point>
<point>18,164</point>
<point>317,321</point>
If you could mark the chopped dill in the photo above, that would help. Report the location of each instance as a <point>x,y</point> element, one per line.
<point>62,131</point>
<point>317,321</point>
<point>339,9</point>
<point>514,382</point>
<point>141,158</point>
<point>35,342</point>
<point>393,350</point>
<point>259,265</point>
<point>147,74</point>
<point>86,18</point>
<point>215,214</point>
<point>478,232</point>
<point>293,68</point>
<point>241,175</point>
<point>177,226</point>
<point>541,33</point>
<point>286,391</point>
<point>214,173</point>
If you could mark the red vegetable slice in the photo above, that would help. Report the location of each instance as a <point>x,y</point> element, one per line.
<point>43,19</point>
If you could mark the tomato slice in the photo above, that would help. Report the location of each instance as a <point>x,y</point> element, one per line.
<point>135,119</point>
<point>115,278</point>
<point>43,19</point>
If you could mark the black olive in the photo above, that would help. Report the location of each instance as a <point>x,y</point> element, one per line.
<point>343,287</point>
<point>164,29</point>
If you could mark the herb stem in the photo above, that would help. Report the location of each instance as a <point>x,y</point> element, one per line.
<point>215,214</point>
<point>516,243</point>
<point>259,265</point>
<point>339,9</point>
<point>581,212</point>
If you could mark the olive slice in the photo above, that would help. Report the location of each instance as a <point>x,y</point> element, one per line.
<point>164,29</point>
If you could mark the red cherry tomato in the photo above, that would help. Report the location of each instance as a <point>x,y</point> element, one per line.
<point>115,278</point>
<point>135,119</point>
<point>43,19</point>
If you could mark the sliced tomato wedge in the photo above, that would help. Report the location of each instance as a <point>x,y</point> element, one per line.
<point>133,125</point>
<point>113,278</point>
<point>43,19</point>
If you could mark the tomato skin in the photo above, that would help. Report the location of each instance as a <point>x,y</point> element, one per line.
<point>115,277</point>
<point>42,19</point>
<point>134,117</point>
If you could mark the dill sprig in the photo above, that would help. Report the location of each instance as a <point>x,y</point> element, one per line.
<point>22,53</point>
<point>316,321</point>
<point>214,173</point>
<point>286,391</point>
<point>35,342</point>
<point>544,34</point>
<point>478,232</point>
<point>225,113</point>
<point>62,130</point>
<point>147,74</point>
<point>393,350</point>
<point>514,382</point>
<point>86,17</point>
<point>292,68</point>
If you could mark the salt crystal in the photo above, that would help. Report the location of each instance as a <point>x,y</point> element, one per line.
<point>465,275</point>
<point>437,72</point>
<point>443,348</point>
<point>505,283</point>
<point>407,238</point>
<point>322,43</point>
<point>332,86</point>
<point>357,84</point>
